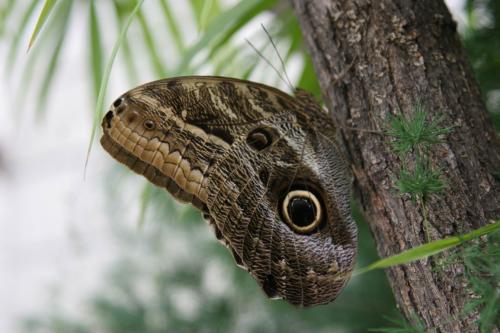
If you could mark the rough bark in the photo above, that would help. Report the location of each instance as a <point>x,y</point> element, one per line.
<point>402,52</point>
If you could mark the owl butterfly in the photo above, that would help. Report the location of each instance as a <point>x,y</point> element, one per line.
<point>261,165</point>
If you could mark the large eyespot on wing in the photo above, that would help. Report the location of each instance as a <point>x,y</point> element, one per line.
<point>308,264</point>
<point>296,258</point>
<point>289,233</point>
<point>302,211</point>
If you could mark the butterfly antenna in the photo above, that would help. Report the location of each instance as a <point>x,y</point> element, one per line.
<point>270,64</point>
<point>279,56</point>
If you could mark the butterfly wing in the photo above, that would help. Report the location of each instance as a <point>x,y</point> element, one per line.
<point>261,164</point>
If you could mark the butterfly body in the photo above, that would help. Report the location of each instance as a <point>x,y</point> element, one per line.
<point>263,166</point>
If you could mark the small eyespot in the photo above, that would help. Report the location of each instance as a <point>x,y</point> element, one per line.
<point>118,102</point>
<point>302,211</point>
<point>119,105</point>
<point>108,117</point>
<point>149,124</point>
<point>259,138</point>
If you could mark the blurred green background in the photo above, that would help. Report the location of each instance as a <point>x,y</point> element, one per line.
<point>170,274</point>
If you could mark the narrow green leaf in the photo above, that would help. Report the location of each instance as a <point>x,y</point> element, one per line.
<point>129,62</point>
<point>144,203</point>
<point>247,16</point>
<point>37,58</point>
<point>27,78</point>
<point>5,11</point>
<point>234,60</point>
<point>290,29</point>
<point>42,19</point>
<point>227,61</point>
<point>172,25</point>
<point>158,65</point>
<point>308,78</point>
<point>217,27</point>
<point>104,82</point>
<point>127,52</point>
<point>96,50</point>
<point>14,45</point>
<point>204,12</point>
<point>61,23</point>
<point>210,9</point>
<point>197,7</point>
<point>426,250</point>
<point>402,326</point>
<point>245,74</point>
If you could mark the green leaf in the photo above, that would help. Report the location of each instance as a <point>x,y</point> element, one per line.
<point>482,272</point>
<point>42,19</point>
<point>144,203</point>
<point>121,14</point>
<point>96,50</point>
<point>158,65</point>
<point>172,25</point>
<point>226,62</point>
<point>61,21</point>
<point>247,16</point>
<point>402,326</point>
<point>104,82</point>
<point>4,13</point>
<point>420,182</point>
<point>415,131</point>
<point>14,46</point>
<point>429,249</point>
<point>51,42</point>
<point>235,60</point>
<point>204,12</point>
<point>308,80</point>
<point>224,22</point>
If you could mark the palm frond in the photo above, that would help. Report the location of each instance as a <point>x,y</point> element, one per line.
<point>96,48</point>
<point>42,19</point>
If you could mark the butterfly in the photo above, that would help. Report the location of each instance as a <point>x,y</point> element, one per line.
<point>262,166</point>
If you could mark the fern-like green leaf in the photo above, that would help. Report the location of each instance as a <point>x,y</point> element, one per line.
<point>415,131</point>
<point>420,182</point>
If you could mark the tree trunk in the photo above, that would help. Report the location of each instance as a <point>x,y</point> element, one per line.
<point>402,52</point>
